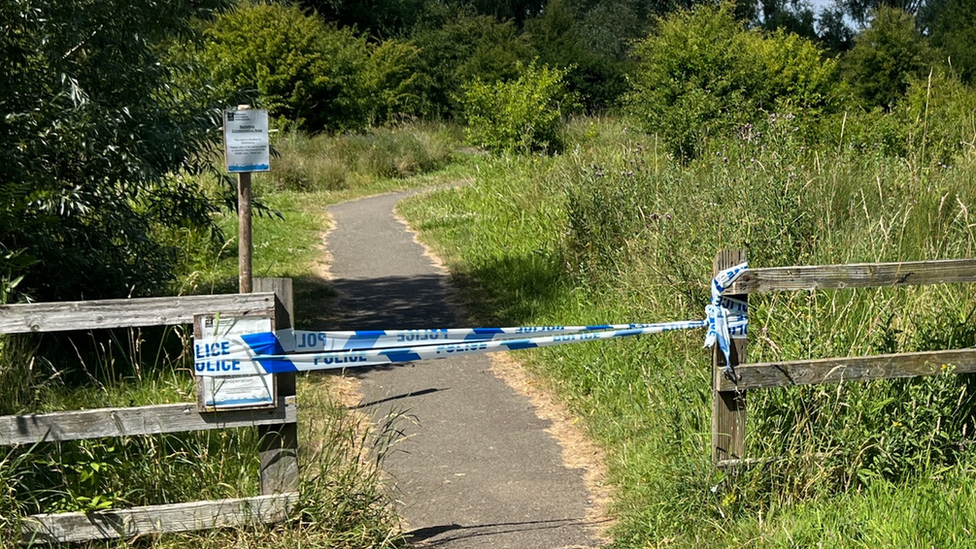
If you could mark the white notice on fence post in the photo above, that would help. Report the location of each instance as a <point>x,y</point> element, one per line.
<point>246,144</point>
<point>231,392</point>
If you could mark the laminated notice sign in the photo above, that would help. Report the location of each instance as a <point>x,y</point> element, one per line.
<point>246,144</point>
<point>229,392</point>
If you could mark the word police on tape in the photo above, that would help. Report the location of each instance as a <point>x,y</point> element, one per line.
<point>301,351</point>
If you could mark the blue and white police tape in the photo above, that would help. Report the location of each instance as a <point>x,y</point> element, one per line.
<point>305,341</point>
<point>268,352</point>
<point>717,313</point>
<point>219,358</point>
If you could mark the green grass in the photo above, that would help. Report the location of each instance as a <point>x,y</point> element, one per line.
<point>614,231</point>
<point>342,503</point>
<point>334,163</point>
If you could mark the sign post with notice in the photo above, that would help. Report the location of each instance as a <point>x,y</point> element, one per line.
<point>246,149</point>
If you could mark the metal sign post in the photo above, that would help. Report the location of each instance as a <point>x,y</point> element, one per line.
<point>247,149</point>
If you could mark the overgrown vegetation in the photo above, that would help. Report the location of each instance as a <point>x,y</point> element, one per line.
<point>522,115</point>
<point>769,127</point>
<point>618,232</point>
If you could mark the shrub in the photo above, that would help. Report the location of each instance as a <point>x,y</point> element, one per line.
<point>940,115</point>
<point>521,115</point>
<point>93,123</point>
<point>886,56</point>
<point>589,46</point>
<point>394,81</point>
<point>466,49</point>
<point>301,69</point>
<point>702,74</point>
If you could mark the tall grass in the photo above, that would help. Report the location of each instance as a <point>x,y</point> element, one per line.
<point>326,162</point>
<point>614,231</point>
<point>341,504</point>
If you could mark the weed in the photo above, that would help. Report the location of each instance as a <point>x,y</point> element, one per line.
<point>614,231</point>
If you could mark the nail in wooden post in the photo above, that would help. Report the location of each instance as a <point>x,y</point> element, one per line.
<point>728,407</point>
<point>279,443</point>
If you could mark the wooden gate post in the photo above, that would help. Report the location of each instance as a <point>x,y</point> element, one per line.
<point>728,407</point>
<point>279,443</point>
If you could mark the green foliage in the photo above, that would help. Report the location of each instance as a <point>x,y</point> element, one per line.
<point>702,75</point>
<point>93,124</point>
<point>562,37</point>
<point>885,57</point>
<point>394,81</point>
<point>932,122</point>
<point>330,163</point>
<point>521,115</point>
<point>952,29</point>
<point>616,232</point>
<point>303,71</point>
<point>939,114</point>
<point>382,19</point>
<point>468,48</point>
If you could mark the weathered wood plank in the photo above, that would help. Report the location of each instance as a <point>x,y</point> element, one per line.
<point>279,443</point>
<point>156,519</point>
<point>143,420</point>
<point>125,313</point>
<point>863,275</point>
<point>245,246</point>
<point>728,406</point>
<point>835,370</point>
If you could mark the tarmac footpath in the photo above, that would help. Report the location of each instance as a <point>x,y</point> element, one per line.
<point>476,466</point>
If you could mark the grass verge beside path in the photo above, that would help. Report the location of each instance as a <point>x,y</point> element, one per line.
<point>342,504</point>
<point>615,232</point>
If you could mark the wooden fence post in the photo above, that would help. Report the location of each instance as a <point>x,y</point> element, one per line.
<point>279,443</point>
<point>728,407</point>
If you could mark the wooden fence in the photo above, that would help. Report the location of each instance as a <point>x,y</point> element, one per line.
<point>277,427</point>
<point>729,395</point>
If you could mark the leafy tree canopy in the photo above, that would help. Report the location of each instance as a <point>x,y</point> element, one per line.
<point>885,57</point>
<point>92,127</point>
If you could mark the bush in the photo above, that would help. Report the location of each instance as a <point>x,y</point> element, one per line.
<point>886,56</point>
<point>591,54</point>
<point>522,115</point>
<point>300,69</point>
<point>394,82</point>
<point>702,74</point>
<point>93,123</point>
<point>469,48</point>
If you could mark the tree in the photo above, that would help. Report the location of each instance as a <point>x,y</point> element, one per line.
<point>379,19</point>
<point>862,11</point>
<point>467,48</point>
<point>794,16</point>
<point>558,36</point>
<point>92,127</point>
<point>885,57</point>
<point>298,67</point>
<point>702,74</point>
<point>951,25</point>
<point>835,35</point>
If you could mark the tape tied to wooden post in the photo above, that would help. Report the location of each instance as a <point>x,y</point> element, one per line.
<point>300,351</point>
<point>721,314</point>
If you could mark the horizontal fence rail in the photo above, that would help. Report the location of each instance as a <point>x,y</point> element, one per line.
<point>143,420</point>
<point>127,313</point>
<point>858,275</point>
<point>862,368</point>
<point>730,387</point>
<point>156,519</point>
<point>277,427</point>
